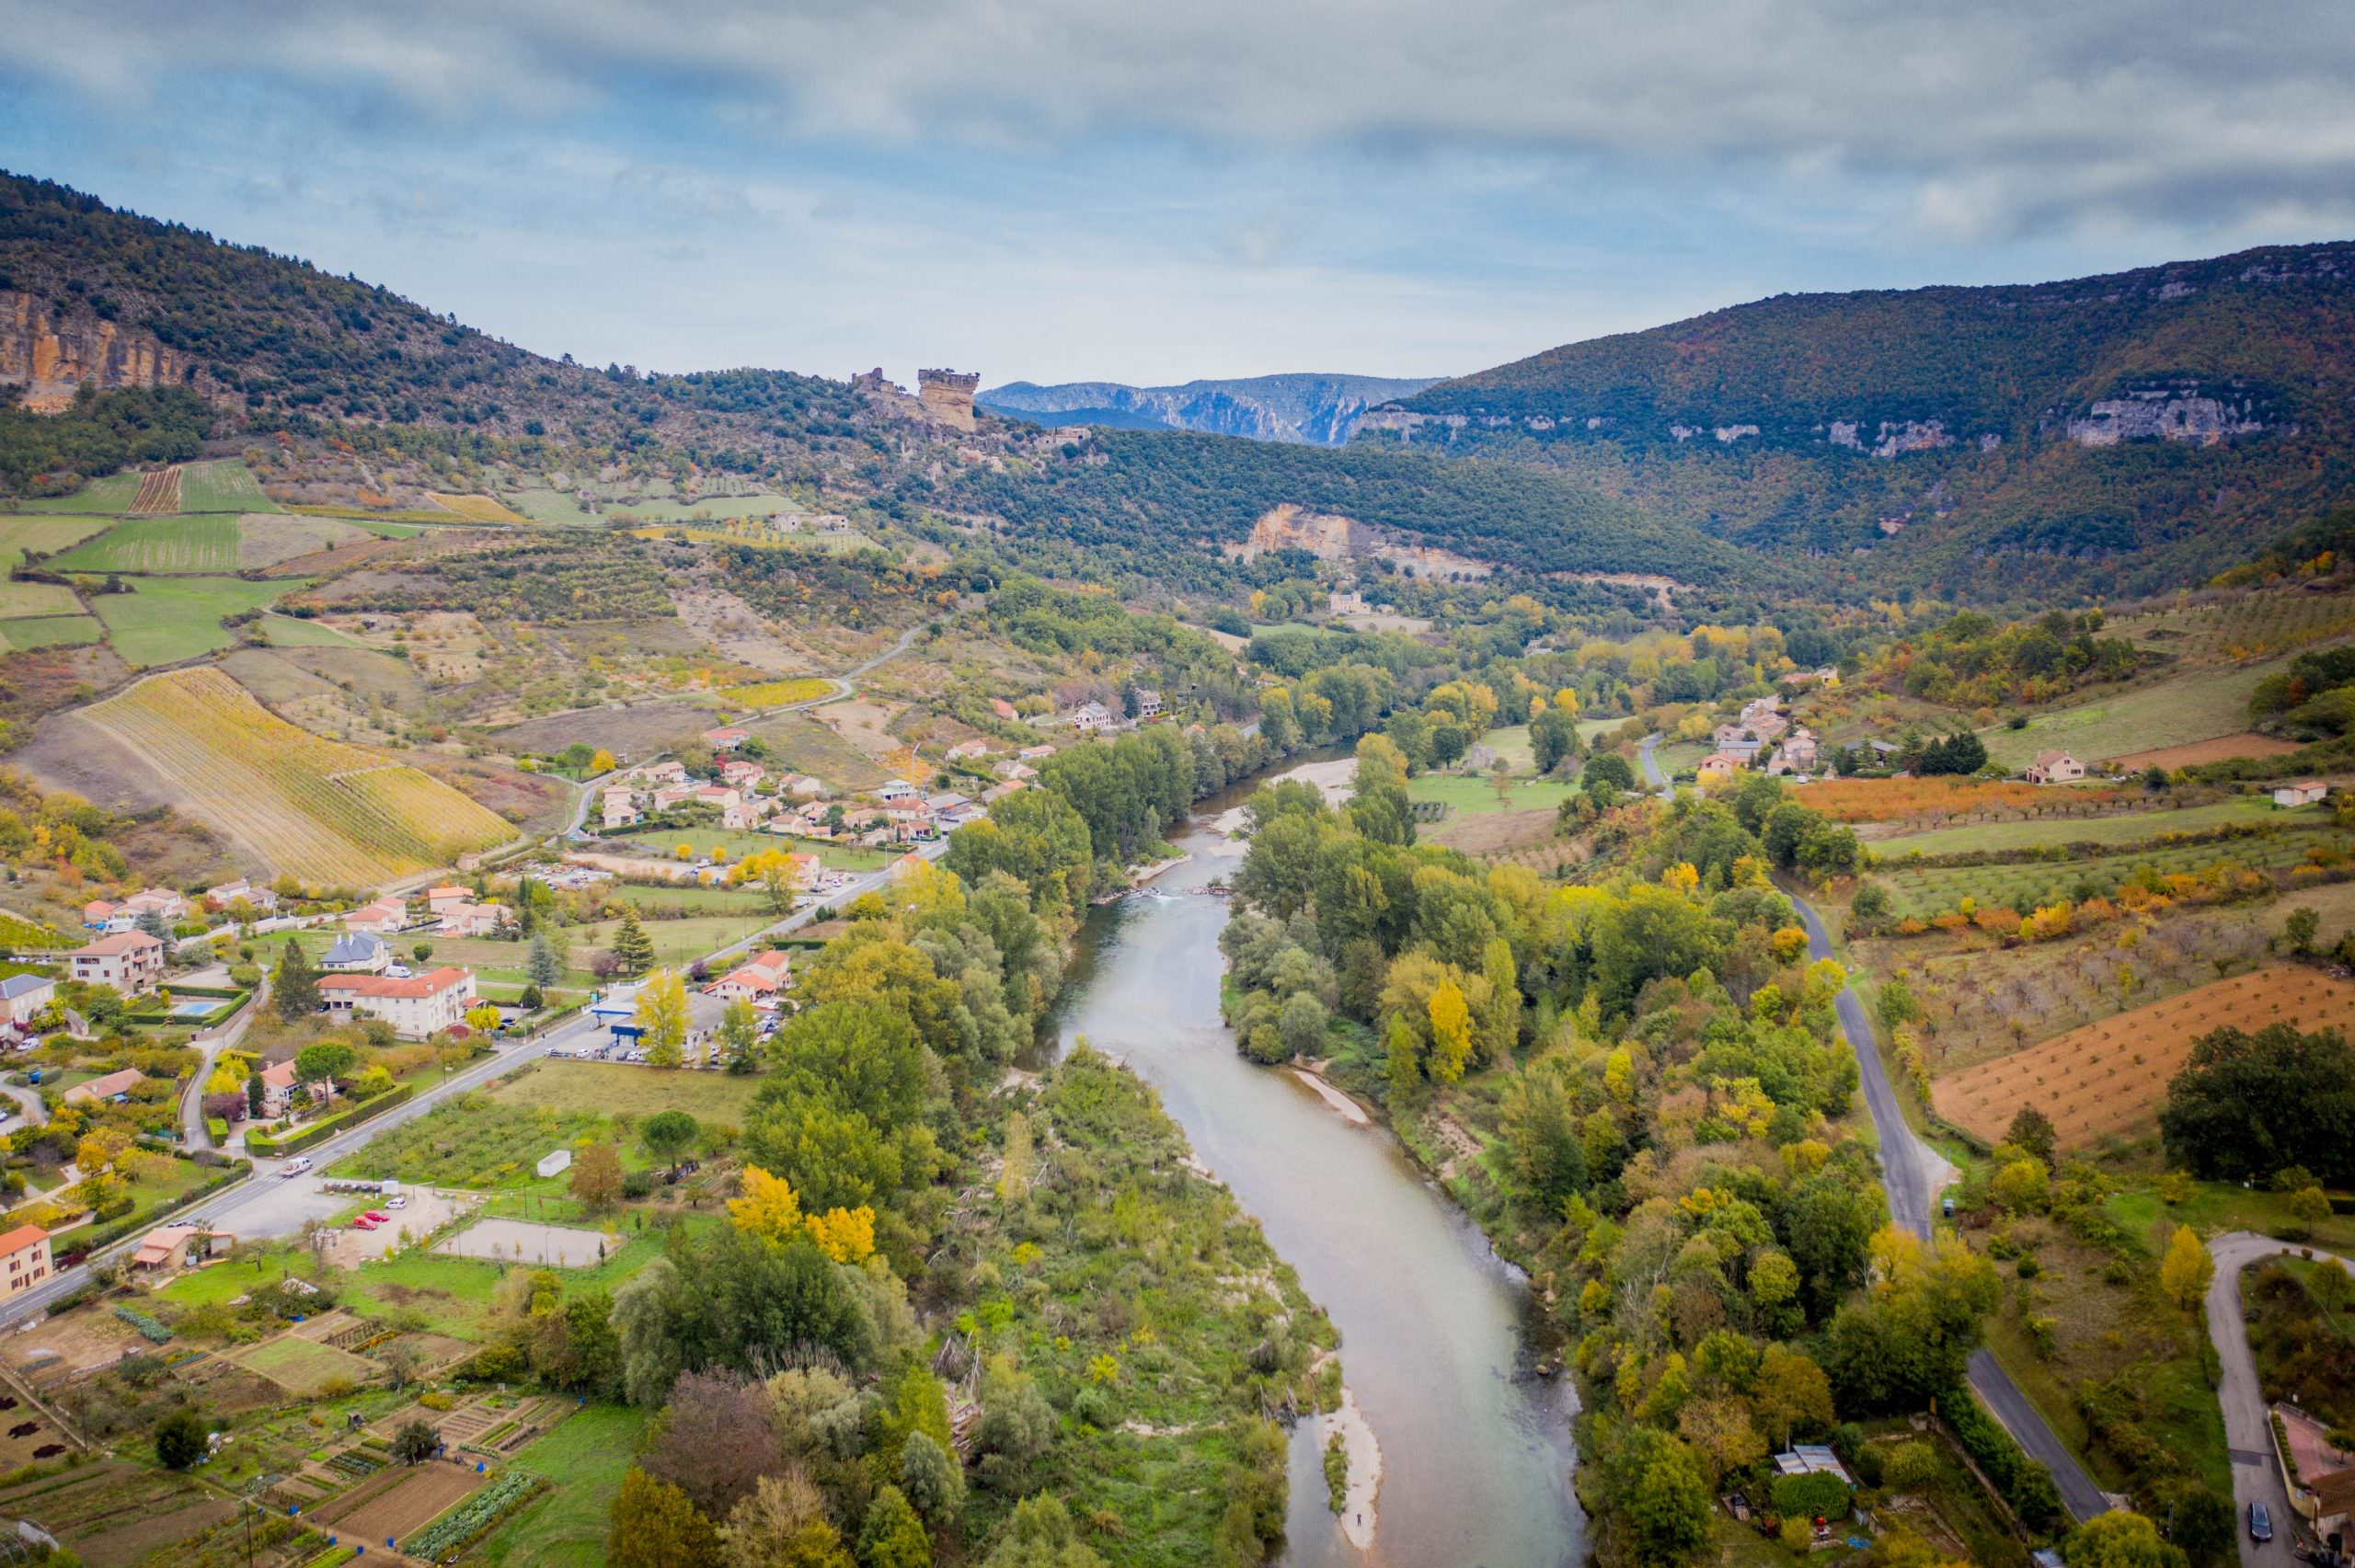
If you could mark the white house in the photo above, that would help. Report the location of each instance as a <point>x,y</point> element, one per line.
<point>1148,703</point>
<point>965,750</point>
<point>415,1007</point>
<point>2300,792</point>
<point>2055,767</point>
<point>472,918</point>
<point>898,789</point>
<point>22,996</point>
<point>131,961</point>
<point>382,918</point>
<point>228,893</point>
<point>356,953</point>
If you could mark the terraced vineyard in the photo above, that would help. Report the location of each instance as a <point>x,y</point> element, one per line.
<point>2024,886</point>
<point>327,813</point>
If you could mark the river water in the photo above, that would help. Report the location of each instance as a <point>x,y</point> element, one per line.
<point>1437,1332</point>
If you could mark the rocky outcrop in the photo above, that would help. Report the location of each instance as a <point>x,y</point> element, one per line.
<point>51,354</point>
<point>1330,537</point>
<point>948,396</point>
<point>2173,414</point>
<point>1320,410</point>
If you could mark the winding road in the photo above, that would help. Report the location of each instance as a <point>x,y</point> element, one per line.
<point>1914,1175</point>
<point>2248,1425</point>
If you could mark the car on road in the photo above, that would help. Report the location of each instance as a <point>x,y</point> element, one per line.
<point>2260,1522</point>
<point>376,1215</point>
<point>295,1166</point>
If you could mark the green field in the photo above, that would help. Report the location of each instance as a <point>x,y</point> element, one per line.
<point>172,618</point>
<point>46,535</point>
<point>51,631</point>
<point>226,485</point>
<point>1471,796</point>
<point>585,1457</point>
<point>24,600</point>
<point>2199,706</point>
<point>1933,890</point>
<point>110,496</point>
<point>2128,828</point>
<point>189,544</point>
<point>591,1088</point>
<point>384,529</point>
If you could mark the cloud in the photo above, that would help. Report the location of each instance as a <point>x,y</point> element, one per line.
<point>2000,115</point>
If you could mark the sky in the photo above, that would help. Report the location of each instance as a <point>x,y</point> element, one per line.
<point>1087,190</point>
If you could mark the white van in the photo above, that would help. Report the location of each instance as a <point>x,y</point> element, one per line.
<point>296,1166</point>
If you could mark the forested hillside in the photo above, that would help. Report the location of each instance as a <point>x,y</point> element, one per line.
<point>2140,428</point>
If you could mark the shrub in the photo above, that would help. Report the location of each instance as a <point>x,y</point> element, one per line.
<point>1810,1496</point>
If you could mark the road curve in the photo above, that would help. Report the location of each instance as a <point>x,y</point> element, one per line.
<point>2248,1425</point>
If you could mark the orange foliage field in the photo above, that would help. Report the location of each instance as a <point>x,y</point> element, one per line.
<point>1891,800</point>
<point>2109,1078</point>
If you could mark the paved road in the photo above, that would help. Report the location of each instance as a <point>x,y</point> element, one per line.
<point>2248,1425</point>
<point>194,1133</point>
<point>29,1102</point>
<point>267,1204</point>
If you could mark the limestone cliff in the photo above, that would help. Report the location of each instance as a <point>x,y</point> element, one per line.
<point>49,354</point>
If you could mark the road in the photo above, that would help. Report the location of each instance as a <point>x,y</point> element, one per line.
<point>1913,1173</point>
<point>2248,1425</point>
<point>194,1133</point>
<point>266,1204</point>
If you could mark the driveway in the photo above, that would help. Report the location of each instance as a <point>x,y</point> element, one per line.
<point>2248,1425</point>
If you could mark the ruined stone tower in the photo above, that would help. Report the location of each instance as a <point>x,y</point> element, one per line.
<point>948,396</point>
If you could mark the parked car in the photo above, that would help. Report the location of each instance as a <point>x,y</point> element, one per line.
<point>2260,1522</point>
<point>363,1223</point>
<point>397,1203</point>
<point>379,1218</point>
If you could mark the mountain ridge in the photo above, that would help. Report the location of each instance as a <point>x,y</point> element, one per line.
<point>1316,408</point>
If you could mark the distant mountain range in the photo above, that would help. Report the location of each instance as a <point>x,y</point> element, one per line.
<point>2128,429</point>
<point>1321,410</point>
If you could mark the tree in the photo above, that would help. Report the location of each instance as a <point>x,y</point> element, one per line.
<point>1552,737</point>
<point>328,1060</point>
<point>2309,1207</point>
<point>1041,1535</point>
<point>596,1178</point>
<point>1451,1032</point>
<point>181,1439</point>
<point>416,1442</point>
<point>739,1034</point>
<point>257,1093</point>
<point>633,949</point>
<point>2032,1131</point>
<point>2201,1523</point>
<point>655,1527</point>
<point>2186,1269</point>
<point>667,1135</point>
<point>1021,1159</point>
<point>1667,1498</point>
<point>294,989</point>
<point>1302,1024</point>
<point>662,1018</point>
<point>2300,929</point>
<point>542,967</point>
<point>483,1018</point>
<point>934,1483</point>
<point>782,1524</point>
<point>2119,1539</point>
<point>716,1440</point>
<point>893,1536</point>
<point>2246,1105</point>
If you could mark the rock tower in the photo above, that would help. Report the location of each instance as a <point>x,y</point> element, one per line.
<point>948,396</point>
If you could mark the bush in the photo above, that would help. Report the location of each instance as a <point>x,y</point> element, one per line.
<point>1810,1496</point>
<point>180,1439</point>
<point>319,1132</point>
<point>637,1183</point>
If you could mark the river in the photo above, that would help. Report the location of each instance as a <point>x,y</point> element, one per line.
<point>1437,1332</point>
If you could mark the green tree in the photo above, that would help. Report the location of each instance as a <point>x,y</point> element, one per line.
<point>2201,1523</point>
<point>1553,738</point>
<point>181,1439</point>
<point>1668,1498</point>
<point>329,1059</point>
<point>893,1536</point>
<point>2119,1539</point>
<point>416,1442</point>
<point>2245,1105</point>
<point>295,988</point>
<point>667,1135</point>
<point>2300,929</point>
<point>2032,1131</point>
<point>2309,1207</point>
<point>933,1481</point>
<point>1041,1535</point>
<point>633,949</point>
<point>654,1526</point>
<point>543,966</point>
<point>739,1036</point>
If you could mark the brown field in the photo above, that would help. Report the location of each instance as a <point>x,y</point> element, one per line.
<point>633,730</point>
<point>474,509</point>
<point>159,491</point>
<point>1485,833</point>
<point>271,539</point>
<point>2223,748</point>
<point>2109,1079</point>
<point>410,1502</point>
<point>1894,800</point>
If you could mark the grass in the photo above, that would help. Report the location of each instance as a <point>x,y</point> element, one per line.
<point>293,630</point>
<point>42,535</point>
<point>109,497</point>
<point>584,1458</point>
<point>590,1088</point>
<point>36,600</point>
<point>2130,827</point>
<point>51,631</point>
<point>302,1366</point>
<point>224,485</point>
<point>159,544</point>
<point>779,694</point>
<point>2198,705</point>
<point>1472,796</point>
<point>474,509</point>
<point>169,620</point>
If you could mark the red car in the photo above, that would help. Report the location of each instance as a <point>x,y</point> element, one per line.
<point>379,1219</point>
<point>364,1223</point>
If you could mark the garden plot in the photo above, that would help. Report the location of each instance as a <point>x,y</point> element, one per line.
<point>523,1240</point>
<point>303,1368</point>
<point>401,1500</point>
<point>113,1515</point>
<point>2109,1079</point>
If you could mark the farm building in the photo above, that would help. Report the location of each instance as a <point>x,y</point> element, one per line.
<point>2300,792</point>
<point>2055,767</point>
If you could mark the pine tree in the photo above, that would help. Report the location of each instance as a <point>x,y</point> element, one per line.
<point>294,989</point>
<point>542,967</point>
<point>633,949</point>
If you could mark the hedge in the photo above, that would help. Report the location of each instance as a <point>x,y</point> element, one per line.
<point>2026,1484</point>
<point>319,1132</point>
<point>1812,1497</point>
